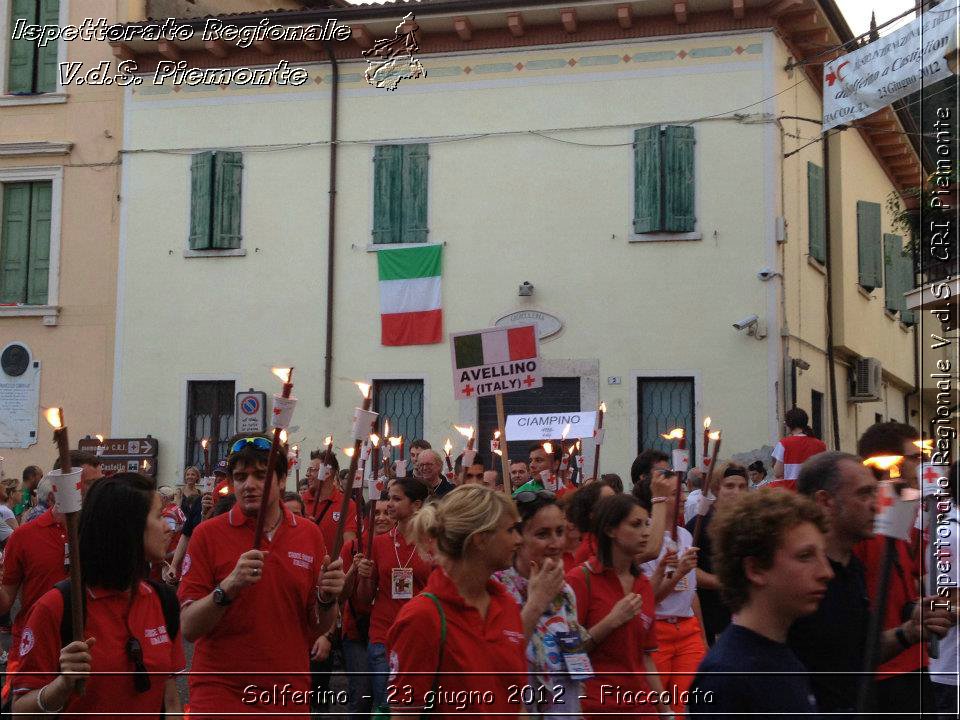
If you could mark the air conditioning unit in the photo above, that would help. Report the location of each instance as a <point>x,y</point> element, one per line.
<point>867,380</point>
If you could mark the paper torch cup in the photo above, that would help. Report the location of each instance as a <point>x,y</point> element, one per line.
<point>66,491</point>
<point>206,485</point>
<point>898,511</point>
<point>549,480</point>
<point>598,436</point>
<point>282,411</point>
<point>401,468</point>
<point>468,457</point>
<point>681,460</point>
<point>362,422</point>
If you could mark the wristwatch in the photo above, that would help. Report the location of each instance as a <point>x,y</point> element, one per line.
<point>220,598</point>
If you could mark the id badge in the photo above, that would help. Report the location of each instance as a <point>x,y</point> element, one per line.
<point>401,583</point>
<point>577,662</point>
<point>66,554</point>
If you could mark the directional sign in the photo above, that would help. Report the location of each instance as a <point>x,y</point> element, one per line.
<point>251,412</point>
<point>144,466</point>
<point>121,447</point>
<point>495,360</point>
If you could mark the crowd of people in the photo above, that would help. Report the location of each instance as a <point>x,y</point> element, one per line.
<point>714,592</point>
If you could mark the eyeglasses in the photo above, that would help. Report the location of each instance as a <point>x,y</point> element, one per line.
<point>529,496</point>
<point>260,443</point>
<point>141,680</point>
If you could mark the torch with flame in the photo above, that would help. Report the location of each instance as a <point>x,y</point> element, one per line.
<point>467,432</point>
<point>283,404</point>
<point>447,447</point>
<point>706,438</point>
<point>885,463</point>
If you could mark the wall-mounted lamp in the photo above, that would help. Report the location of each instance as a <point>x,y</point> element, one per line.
<point>526,289</point>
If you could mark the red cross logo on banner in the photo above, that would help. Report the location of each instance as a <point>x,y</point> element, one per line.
<point>468,390</point>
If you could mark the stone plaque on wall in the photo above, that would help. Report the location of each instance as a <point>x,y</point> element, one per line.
<point>19,396</point>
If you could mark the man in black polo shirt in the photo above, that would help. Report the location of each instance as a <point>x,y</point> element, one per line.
<point>770,558</point>
<point>832,641</point>
<point>715,614</point>
<point>427,470</point>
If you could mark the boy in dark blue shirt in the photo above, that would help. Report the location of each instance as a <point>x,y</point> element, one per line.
<point>770,558</point>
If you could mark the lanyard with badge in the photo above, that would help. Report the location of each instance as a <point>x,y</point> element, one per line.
<point>574,655</point>
<point>401,578</point>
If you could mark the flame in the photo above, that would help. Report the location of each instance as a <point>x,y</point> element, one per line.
<point>348,451</point>
<point>374,439</point>
<point>499,452</point>
<point>296,448</point>
<point>283,437</point>
<point>578,446</point>
<point>715,435</point>
<point>447,446</point>
<point>283,373</point>
<point>548,448</point>
<point>465,430</point>
<point>225,490</point>
<point>706,422</point>
<point>926,446</point>
<point>675,434</point>
<point>884,462</point>
<point>99,438</point>
<point>364,389</point>
<point>146,465</point>
<point>328,441</point>
<point>573,448</point>
<point>566,430</point>
<point>496,434</point>
<point>395,441</point>
<point>204,443</point>
<point>54,416</point>
<point>386,428</point>
<point>603,407</point>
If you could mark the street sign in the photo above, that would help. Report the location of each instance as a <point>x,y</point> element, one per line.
<point>121,447</point>
<point>251,412</point>
<point>144,466</point>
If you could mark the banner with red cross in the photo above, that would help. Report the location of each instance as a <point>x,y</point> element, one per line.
<point>495,360</point>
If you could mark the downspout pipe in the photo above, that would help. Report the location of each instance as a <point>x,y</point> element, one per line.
<point>831,360</point>
<point>331,224</point>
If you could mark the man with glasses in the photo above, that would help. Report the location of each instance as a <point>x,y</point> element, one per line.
<point>255,611</point>
<point>427,470</point>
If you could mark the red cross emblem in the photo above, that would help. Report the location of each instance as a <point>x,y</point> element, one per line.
<point>77,486</point>
<point>276,411</point>
<point>885,501</point>
<point>833,76</point>
<point>529,380</point>
<point>468,390</point>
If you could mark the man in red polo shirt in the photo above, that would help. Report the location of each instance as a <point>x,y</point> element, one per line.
<point>323,499</point>
<point>35,558</point>
<point>791,452</point>
<point>255,610</point>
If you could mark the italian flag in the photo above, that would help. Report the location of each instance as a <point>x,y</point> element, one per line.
<point>410,311</point>
<point>497,345</point>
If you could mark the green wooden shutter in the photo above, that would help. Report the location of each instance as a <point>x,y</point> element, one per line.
<point>47,66</point>
<point>646,180</point>
<point>678,203</point>
<point>905,270</point>
<point>228,174</point>
<point>816,213</point>
<point>869,260</point>
<point>414,193</point>
<point>387,193</point>
<point>892,250</point>
<point>23,53</point>
<point>38,272</point>
<point>201,199</point>
<point>14,242</point>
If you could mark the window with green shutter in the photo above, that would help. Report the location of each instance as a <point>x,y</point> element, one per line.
<point>25,242</point>
<point>906,275</point>
<point>32,68</point>
<point>816,213</point>
<point>869,251</point>
<point>664,189</point>
<point>216,180</point>
<point>400,193</point>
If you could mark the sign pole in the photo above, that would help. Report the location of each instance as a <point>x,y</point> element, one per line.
<point>504,460</point>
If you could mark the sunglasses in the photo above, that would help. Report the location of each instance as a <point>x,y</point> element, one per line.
<point>260,443</point>
<point>529,496</point>
<point>141,679</point>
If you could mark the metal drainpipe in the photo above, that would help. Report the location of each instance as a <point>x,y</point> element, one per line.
<point>331,223</point>
<point>832,370</point>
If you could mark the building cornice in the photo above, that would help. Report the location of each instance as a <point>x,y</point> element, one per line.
<point>44,147</point>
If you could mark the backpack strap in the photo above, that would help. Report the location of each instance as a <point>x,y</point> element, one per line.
<point>586,577</point>
<point>66,618</point>
<point>170,606</point>
<point>443,640</point>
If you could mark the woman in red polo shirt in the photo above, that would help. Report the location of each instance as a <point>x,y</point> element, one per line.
<point>392,575</point>
<point>131,651</point>
<point>615,602</point>
<point>459,646</point>
<point>579,511</point>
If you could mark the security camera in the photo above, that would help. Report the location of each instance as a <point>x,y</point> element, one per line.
<point>747,322</point>
<point>767,274</point>
<point>526,289</point>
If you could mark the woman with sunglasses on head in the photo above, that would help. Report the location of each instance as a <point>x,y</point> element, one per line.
<point>555,640</point>
<point>463,636</point>
<point>615,603</point>
<point>391,576</point>
<point>132,645</point>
